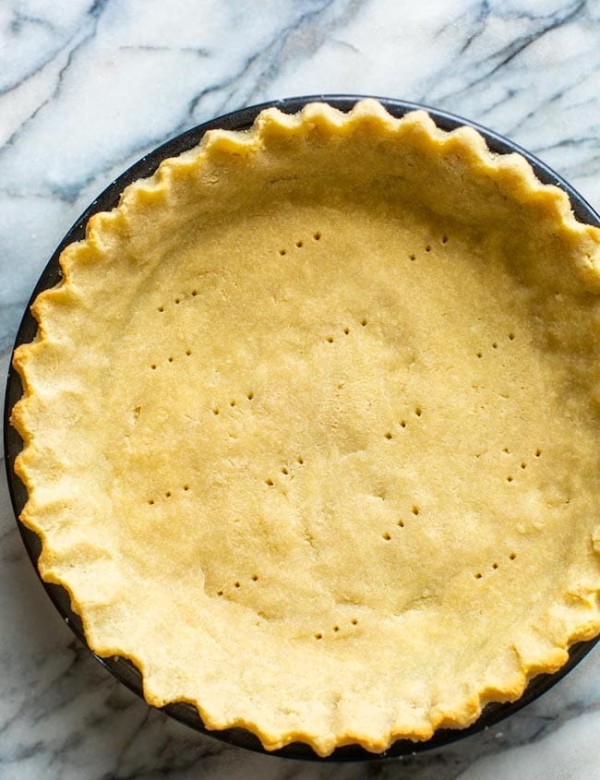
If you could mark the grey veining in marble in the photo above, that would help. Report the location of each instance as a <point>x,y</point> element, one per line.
<point>86,88</point>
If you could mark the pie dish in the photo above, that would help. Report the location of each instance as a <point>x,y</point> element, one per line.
<point>310,428</point>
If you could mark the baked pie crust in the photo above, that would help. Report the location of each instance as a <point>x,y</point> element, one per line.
<point>311,428</point>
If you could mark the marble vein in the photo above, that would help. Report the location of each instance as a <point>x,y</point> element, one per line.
<point>71,46</point>
<point>516,47</point>
<point>57,37</point>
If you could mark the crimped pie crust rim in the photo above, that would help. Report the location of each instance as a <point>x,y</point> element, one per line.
<point>513,170</point>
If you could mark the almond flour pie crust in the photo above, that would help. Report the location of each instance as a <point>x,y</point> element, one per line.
<point>311,428</point>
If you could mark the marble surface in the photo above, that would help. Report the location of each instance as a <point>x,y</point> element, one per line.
<point>86,87</point>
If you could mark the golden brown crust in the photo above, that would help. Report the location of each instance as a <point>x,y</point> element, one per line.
<point>330,428</point>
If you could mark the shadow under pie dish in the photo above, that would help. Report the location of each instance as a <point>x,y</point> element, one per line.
<point>310,428</point>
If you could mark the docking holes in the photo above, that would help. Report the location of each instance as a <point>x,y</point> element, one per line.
<point>427,248</point>
<point>167,494</point>
<point>337,629</point>
<point>232,403</point>
<point>287,470</point>
<point>299,243</point>
<point>417,411</point>
<point>495,566</point>
<point>519,465</point>
<point>345,330</point>
<point>238,585</point>
<point>177,300</point>
<point>174,357</point>
<point>402,522</point>
<point>497,344</point>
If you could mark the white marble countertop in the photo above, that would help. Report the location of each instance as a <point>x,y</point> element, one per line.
<point>86,88</point>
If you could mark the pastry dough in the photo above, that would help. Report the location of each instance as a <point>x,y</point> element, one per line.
<point>311,428</point>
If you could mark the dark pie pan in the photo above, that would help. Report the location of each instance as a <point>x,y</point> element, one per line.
<point>122,669</point>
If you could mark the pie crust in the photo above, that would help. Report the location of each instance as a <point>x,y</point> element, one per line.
<point>311,428</point>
